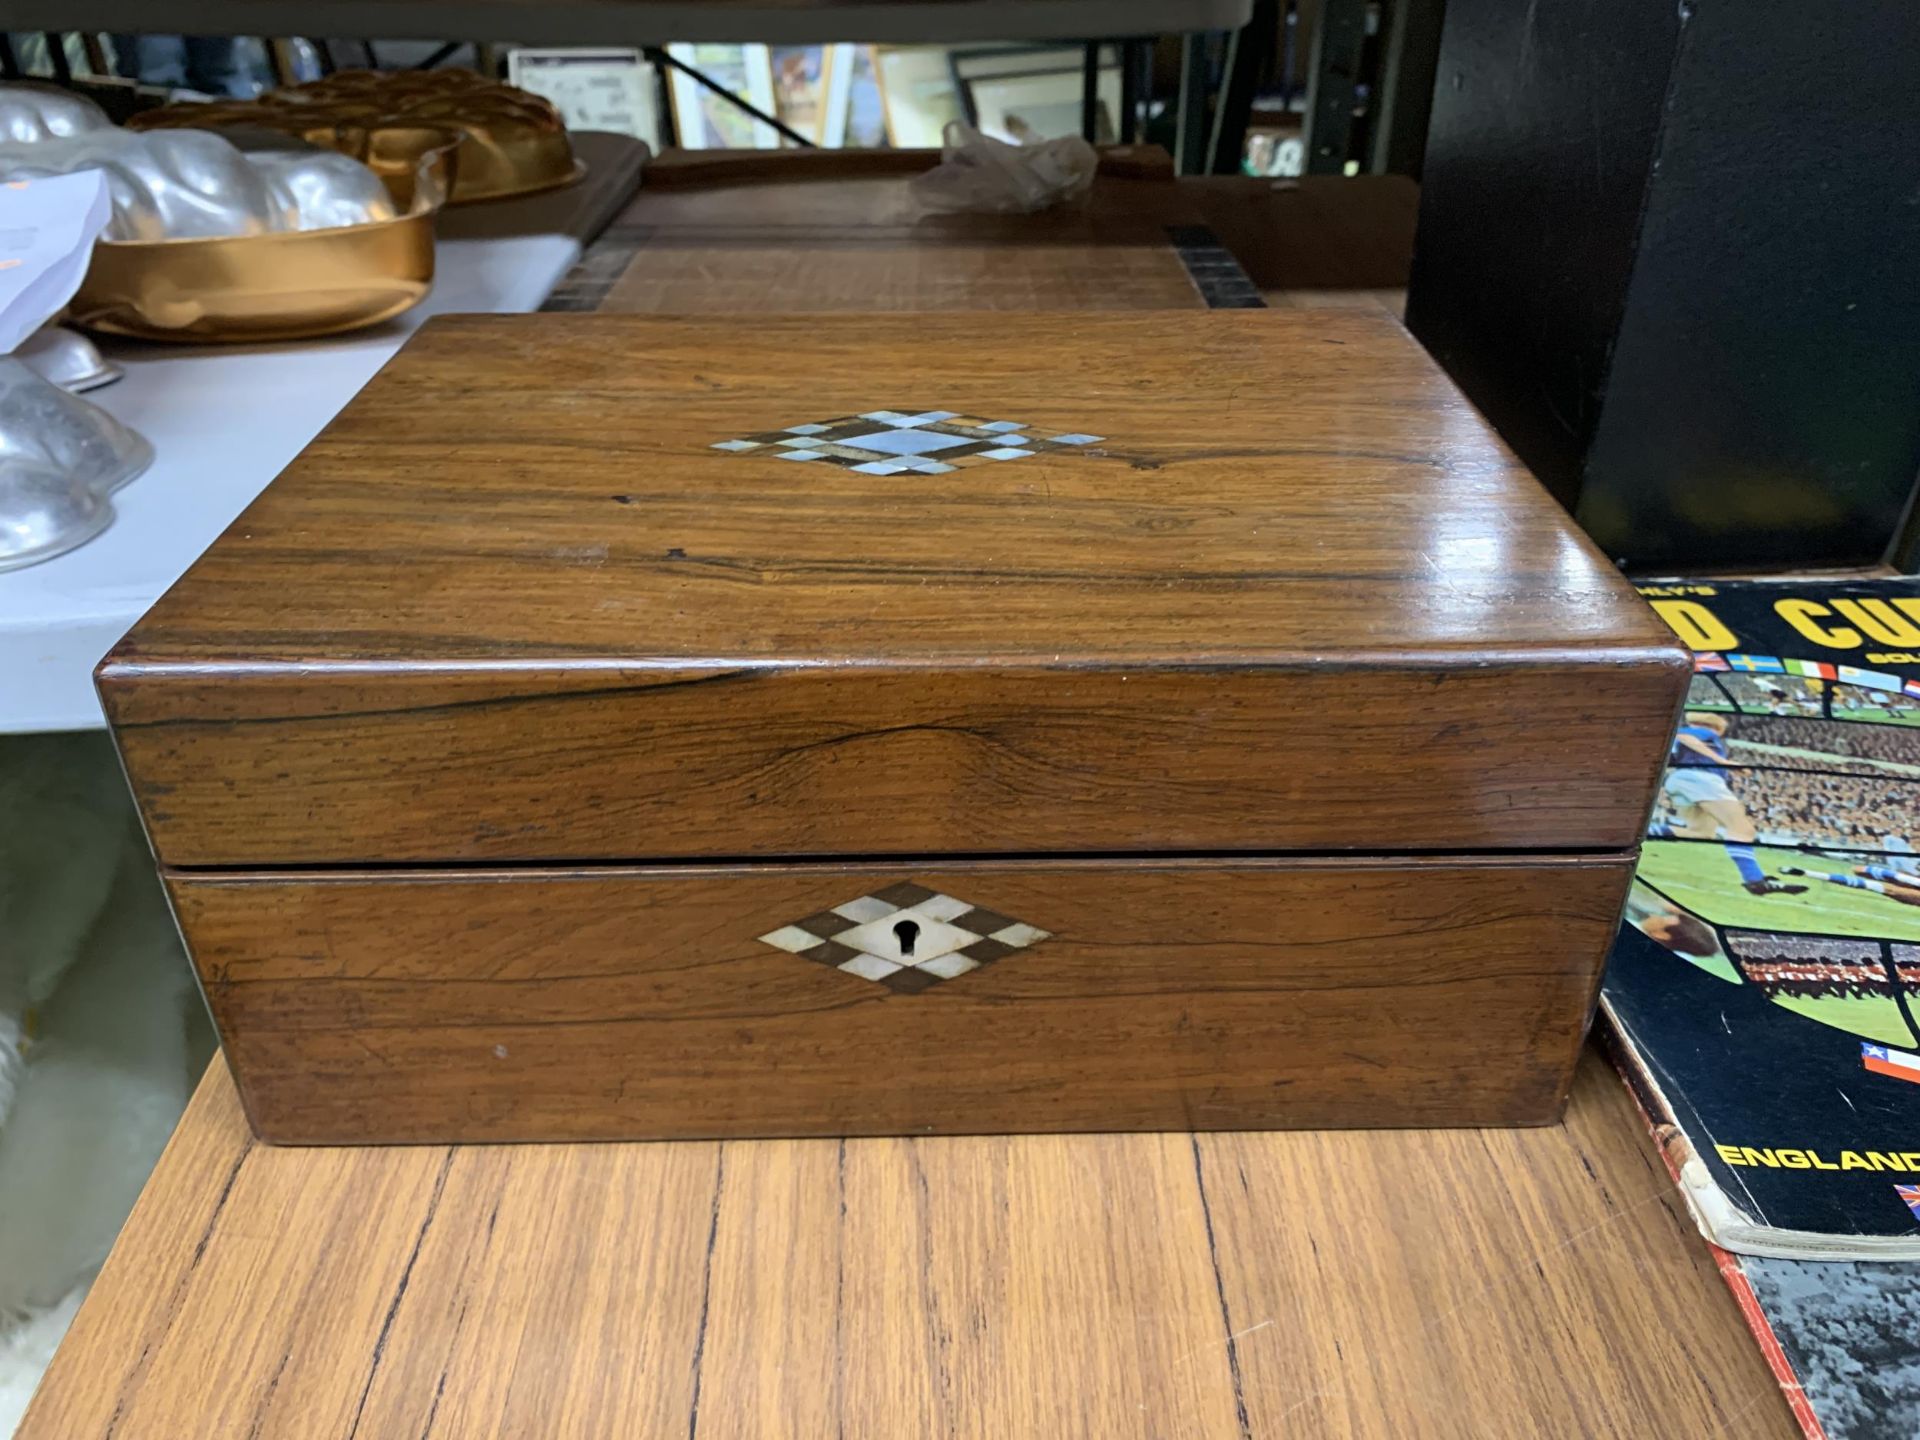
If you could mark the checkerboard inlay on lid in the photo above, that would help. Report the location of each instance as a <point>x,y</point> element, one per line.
<point>893,442</point>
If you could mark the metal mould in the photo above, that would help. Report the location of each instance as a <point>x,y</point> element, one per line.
<point>68,359</point>
<point>30,114</point>
<point>190,184</point>
<point>295,285</point>
<point>212,243</point>
<point>60,460</point>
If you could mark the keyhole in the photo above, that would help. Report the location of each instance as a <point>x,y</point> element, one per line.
<point>906,932</point>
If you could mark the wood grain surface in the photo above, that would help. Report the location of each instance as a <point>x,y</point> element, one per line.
<point>972,268</point>
<point>512,605</point>
<point>777,176</point>
<point>1316,242</point>
<point>610,1004</point>
<point>1462,1285</point>
<point>274,765</point>
<point>766,232</point>
<point>819,231</point>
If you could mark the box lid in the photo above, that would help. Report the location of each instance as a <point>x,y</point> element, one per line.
<point>612,587</point>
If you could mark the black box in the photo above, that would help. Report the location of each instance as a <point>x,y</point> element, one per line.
<point>1673,253</point>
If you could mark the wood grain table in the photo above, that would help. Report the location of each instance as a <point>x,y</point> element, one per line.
<point>1469,1283</point>
<point>1472,1283</point>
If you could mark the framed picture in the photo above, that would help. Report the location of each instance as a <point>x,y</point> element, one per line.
<point>918,94</point>
<point>856,104</point>
<point>802,81</point>
<point>1026,94</point>
<point>1275,151</point>
<point>706,121</point>
<point>593,89</point>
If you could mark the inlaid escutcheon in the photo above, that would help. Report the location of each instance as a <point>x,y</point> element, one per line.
<point>905,936</point>
<point>633,1003</point>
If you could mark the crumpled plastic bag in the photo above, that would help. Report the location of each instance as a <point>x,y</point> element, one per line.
<point>984,176</point>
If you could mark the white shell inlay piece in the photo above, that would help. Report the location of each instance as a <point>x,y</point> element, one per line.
<point>948,966</point>
<point>1018,935</point>
<point>943,907</point>
<point>864,909</point>
<point>869,967</point>
<point>791,938</point>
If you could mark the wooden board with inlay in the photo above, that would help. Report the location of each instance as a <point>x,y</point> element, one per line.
<point>1467,1284</point>
<point>990,622</point>
<point>696,1001</point>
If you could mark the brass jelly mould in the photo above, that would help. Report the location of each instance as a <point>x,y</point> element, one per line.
<point>510,142</point>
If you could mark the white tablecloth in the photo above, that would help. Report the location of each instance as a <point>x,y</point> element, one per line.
<point>225,420</point>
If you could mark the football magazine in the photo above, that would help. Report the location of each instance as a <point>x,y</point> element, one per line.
<point>1763,998</point>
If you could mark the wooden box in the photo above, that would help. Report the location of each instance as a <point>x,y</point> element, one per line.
<point>639,727</point>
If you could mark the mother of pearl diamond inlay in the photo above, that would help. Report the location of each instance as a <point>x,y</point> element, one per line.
<point>905,937</point>
<point>893,442</point>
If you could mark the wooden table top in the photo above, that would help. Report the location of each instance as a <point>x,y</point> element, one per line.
<point>1440,1283</point>
<point>1389,1283</point>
